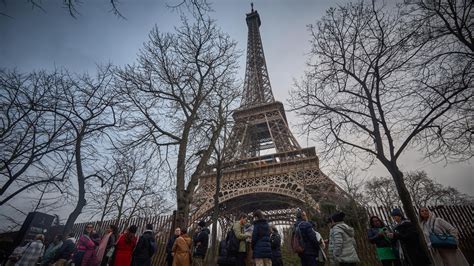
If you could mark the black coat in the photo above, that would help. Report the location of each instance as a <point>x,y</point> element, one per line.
<point>261,246</point>
<point>201,237</point>
<point>65,250</point>
<point>275,241</point>
<point>406,233</point>
<point>169,249</point>
<point>144,249</point>
<point>311,244</point>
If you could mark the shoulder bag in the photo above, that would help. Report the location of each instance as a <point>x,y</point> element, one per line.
<point>444,240</point>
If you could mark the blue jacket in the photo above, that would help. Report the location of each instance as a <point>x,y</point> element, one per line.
<point>261,240</point>
<point>311,245</point>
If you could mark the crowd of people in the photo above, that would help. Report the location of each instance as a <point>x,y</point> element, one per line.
<point>254,244</point>
<point>397,244</point>
<point>90,249</point>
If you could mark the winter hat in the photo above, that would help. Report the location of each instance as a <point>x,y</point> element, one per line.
<point>338,217</point>
<point>202,224</point>
<point>396,212</point>
<point>299,213</point>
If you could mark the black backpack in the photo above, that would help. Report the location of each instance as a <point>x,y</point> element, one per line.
<point>232,243</point>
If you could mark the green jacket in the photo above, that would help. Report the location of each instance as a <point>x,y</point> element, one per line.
<point>239,233</point>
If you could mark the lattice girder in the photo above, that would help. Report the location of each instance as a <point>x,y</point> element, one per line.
<point>253,174</point>
<point>289,182</point>
<point>260,128</point>
<point>257,88</point>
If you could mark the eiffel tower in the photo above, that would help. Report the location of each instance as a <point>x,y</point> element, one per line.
<point>264,166</point>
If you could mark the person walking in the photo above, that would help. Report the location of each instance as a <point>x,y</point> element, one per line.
<point>238,229</point>
<point>182,249</point>
<point>261,246</point>
<point>32,252</point>
<point>201,242</point>
<point>309,256</point>
<point>169,246</point>
<point>50,252</point>
<point>124,247</point>
<point>385,247</point>
<point>442,256</point>
<point>106,245</point>
<point>406,235</point>
<point>275,242</point>
<point>341,242</point>
<point>65,251</point>
<point>145,248</point>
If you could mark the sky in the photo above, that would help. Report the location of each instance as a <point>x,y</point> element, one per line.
<point>32,39</point>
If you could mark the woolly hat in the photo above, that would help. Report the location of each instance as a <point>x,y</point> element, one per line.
<point>396,212</point>
<point>338,217</point>
<point>202,224</point>
<point>299,213</point>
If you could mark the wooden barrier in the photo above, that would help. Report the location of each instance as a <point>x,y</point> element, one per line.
<point>161,226</point>
<point>460,216</point>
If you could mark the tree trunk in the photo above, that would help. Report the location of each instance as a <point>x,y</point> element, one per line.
<point>407,203</point>
<point>81,201</point>
<point>215,213</point>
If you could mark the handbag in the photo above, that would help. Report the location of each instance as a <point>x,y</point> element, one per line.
<point>110,252</point>
<point>444,240</point>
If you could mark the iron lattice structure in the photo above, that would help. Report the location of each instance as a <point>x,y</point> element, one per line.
<point>264,166</point>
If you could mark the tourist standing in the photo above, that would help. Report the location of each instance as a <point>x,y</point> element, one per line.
<point>309,240</point>
<point>261,246</point>
<point>275,241</point>
<point>169,246</point>
<point>107,244</point>
<point>238,228</point>
<point>32,252</point>
<point>321,255</point>
<point>407,236</point>
<point>384,246</point>
<point>50,252</point>
<point>85,248</point>
<point>145,248</point>
<point>442,256</point>
<point>341,242</point>
<point>67,249</point>
<point>182,249</point>
<point>201,242</point>
<point>124,247</point>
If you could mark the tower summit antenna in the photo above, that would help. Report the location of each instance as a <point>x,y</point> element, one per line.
<point>251,5</point>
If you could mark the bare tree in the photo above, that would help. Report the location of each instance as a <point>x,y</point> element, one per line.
<point>130,189</point>
<point>87,105</point>
<point>171,96</point>
<point>445,68</point>
<point>449,20</point>
<point>381,191</point>
<point>30,138</point>
<point>348,176</point>
<point>423,190</point>
<point>372,89</point>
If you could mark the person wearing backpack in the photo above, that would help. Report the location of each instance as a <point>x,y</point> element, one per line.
<point>341,248</point>
<point>145,248</point>
<point>275,241</point>
<point>238,231</point>
<point>261,247</point>
<point>304,240</point>
<point>200,241</point>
